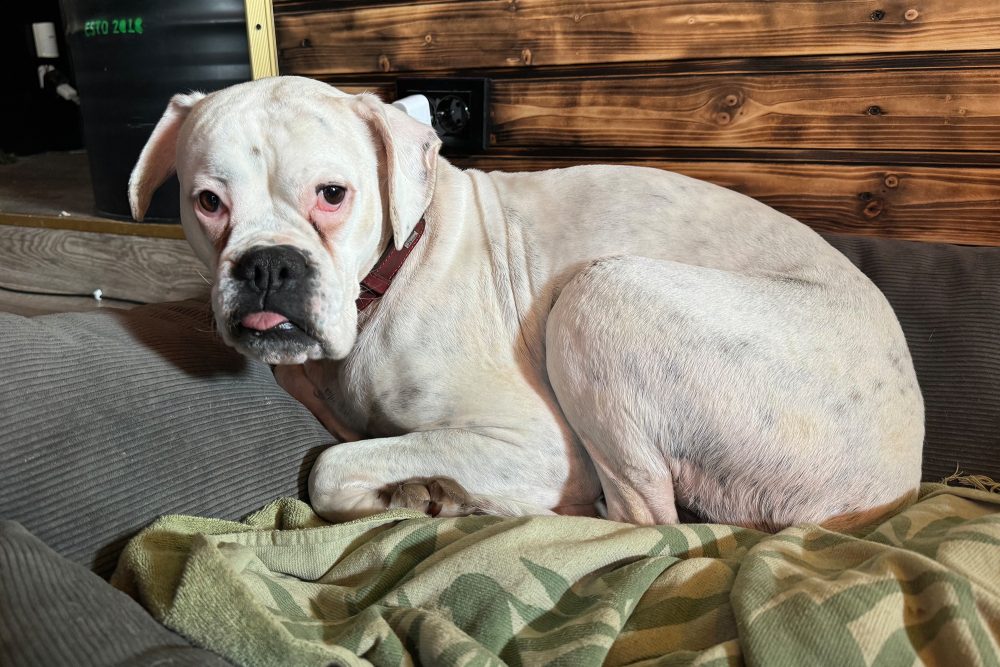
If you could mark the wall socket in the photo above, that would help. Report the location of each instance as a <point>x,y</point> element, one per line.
<point>459,110</point>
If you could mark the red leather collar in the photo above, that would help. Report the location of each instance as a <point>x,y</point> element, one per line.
<point>375,284</point>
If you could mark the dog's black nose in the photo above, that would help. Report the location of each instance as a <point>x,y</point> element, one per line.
<point>271,268</point>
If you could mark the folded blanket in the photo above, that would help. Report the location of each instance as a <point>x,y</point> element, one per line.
<point>285,588</point>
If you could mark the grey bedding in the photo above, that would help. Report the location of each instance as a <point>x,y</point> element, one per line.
<point>111,418</point>
<point>54,612</point>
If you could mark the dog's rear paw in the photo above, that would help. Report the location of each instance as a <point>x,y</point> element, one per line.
<point>434,496</point>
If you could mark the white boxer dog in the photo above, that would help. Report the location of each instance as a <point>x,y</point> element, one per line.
<point>549,337</point>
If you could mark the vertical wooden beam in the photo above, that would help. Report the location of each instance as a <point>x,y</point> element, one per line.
<point>260,35</point>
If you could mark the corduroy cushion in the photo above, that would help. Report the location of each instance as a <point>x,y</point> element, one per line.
<point>54,612</point>
<point>110,419</point>
<point>947,299</point>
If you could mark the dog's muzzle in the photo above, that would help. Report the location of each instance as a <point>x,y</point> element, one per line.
<point>270,315</point>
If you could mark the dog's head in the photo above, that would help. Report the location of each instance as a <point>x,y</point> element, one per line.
<point>290,190</point>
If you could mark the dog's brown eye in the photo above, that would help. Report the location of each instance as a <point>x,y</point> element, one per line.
<point>209,201</point>
<point>333,194</point>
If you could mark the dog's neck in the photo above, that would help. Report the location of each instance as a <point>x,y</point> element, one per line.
<point>375,284</point>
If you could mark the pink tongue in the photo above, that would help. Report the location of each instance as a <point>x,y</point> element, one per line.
<point>263,321</point>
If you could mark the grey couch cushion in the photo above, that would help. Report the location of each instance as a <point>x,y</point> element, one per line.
<point>947,299</point>
<point>54,612</point>
<point>109,419</point>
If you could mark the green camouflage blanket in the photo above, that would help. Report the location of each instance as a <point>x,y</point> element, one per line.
<point>285,588</point>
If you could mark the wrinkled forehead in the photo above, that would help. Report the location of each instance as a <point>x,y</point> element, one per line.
<point>227,132</point>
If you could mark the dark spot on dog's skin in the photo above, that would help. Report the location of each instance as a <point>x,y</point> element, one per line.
<point>323,121</point>
<point>896,358</point>
<point>723,478</point>
<point>394,411</point>
<point>647,373</point>
<point>662,200</point>
<point>734,347</point>
<point>798,282</point>
<point>407,397</point>
<point>792,273</point>
<point>596,381</point>
<point>701,445</point>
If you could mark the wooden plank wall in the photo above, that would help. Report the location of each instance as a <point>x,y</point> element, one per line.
<point>877,117</point>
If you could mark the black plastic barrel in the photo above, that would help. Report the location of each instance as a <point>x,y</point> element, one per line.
<point>129,58</point>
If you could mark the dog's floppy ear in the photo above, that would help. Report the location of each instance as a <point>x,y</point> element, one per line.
<point>411,150</point>
<point>158,159</point>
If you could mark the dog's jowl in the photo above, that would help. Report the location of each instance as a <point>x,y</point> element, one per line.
<point>530,343</point>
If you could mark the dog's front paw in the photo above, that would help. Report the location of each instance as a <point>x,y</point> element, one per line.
<point>434,496</point>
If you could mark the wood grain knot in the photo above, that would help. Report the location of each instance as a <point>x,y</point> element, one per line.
<point>873,209</point>
<point>526,56</point>
<point>891,181</point>
<point>877,15</point>
<point>911,15</point>
<point>875,110</point>
<point>727,107</point>
<point>428,38</point>
<point>306,43</point>
<point>383,63</point>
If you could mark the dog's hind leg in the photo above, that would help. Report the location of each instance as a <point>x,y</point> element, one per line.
<point>587,349</point>
<point>753,400</point>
